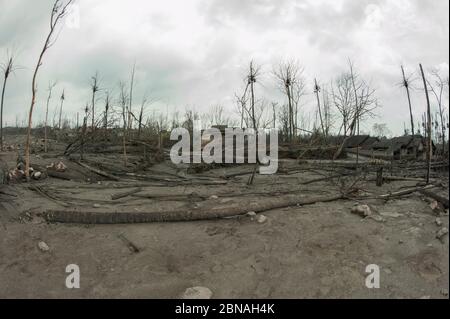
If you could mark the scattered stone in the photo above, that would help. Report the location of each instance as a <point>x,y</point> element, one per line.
<point>361,210</point>
<point>197,293</point>
<point>389,214</point>
<point>434,205</point>
<point>60,167</point>
<point>441,233</point>
<point>96,205</point>
<point>37,175</point>
<point>261,219</point>
<point>251,214</point>
<point>43,246</point>
<point>438,222</point>
<point>214,197</point>
<point>388,271</point>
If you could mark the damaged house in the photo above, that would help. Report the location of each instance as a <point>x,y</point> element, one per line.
<point>402,147</point>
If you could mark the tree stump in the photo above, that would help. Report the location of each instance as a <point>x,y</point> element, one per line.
<point>380,177</point>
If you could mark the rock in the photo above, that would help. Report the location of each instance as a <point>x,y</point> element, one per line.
<point>434,204</point>
<point>438,222</point>
<point>60,167</point>
<point>261,219</point>
<point>37,175</point>
<point>197,293</point>
<point>96,206</point>
<point>213,197</point>
<point>361,210</point>
<point>441,233</point>
<point>251,214</point>
<point>43,246</point>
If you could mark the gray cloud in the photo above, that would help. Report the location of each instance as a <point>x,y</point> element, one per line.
<point>196,52</point>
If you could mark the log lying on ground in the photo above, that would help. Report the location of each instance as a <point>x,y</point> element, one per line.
<point>98,171</point>
<point>178,215</point>
<point>440,199</point>
<point>405,192</point>
<point>126,193</point>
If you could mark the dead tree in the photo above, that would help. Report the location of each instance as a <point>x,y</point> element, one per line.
<point>83,130</point>
<point>363,104</point>
<point>123,101</point>
<point>290,80</point>
<point>141,115</point>
<point>274,114</point>
<point>252,76</point>
<point>94,89</point>
<point>62,98</point>
<point>59,10</point>
<point>130,122</point>
<point>7,69</point>
<point>317,91</point>
<point>50,88</point>
<point>343,100</point>
<point>437,88</point>
<point>107,106</point>
<point>406,85</point>
<point>429,142</point>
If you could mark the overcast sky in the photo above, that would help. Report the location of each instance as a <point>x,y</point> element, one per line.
<point>194,53</point>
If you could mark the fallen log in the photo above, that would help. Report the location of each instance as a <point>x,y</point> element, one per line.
<point>326,178</point>
<point>125,194</point>
<point>129,243</point>
<point>439,198</point>
<point>405,192</point>
<point>98,171</point>
<point>178,215</point>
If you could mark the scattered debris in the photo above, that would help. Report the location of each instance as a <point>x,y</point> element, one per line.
<point>197,293</point>
<point>251,214</point>
<point>129,243</point>
<point>390,214</point>
<point>261,219</point>
<point>362,210</point>
<point>441,233</point>
<point>213,197</point>
<point>434,205</point>
<point>43,246</point>
<point>438,222</point>
<point>36,175</point>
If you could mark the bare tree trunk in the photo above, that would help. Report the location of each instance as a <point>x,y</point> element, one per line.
<point>317,90</point>
<point>429,142</point>
<point>1,113</point>
<point>406,85</point>
<point>130,121</point>
<point>60,110</point>
<point>50,88</point>
<point>58,12</point>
